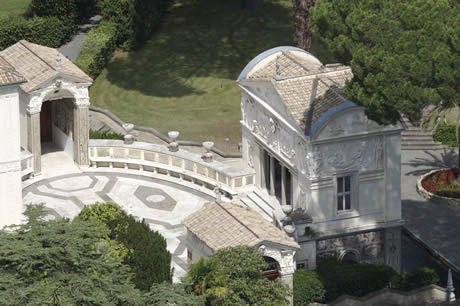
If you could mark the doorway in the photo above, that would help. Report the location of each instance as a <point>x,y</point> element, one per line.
<point>46,121</point>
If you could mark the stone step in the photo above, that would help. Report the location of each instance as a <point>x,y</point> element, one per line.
<point>416,133</point>
<point>421,148</point>
<point>248,202</point>
<point>418,139</point>
<point>262,204</point>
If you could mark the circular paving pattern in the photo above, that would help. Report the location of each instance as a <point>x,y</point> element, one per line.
<point>161,204</point>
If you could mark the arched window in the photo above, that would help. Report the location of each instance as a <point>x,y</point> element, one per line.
<point>350,256</point>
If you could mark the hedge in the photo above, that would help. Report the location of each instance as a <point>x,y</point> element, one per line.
<point>308,288</point>
<point>147,255</point>
<point>98,48</point>
<point>47,31</point>
<point>446,134</point>
<point>340,278</point>
<point>105,135</point>
<point>409,280</point>
<point>136,19</point>
<point>69,10</point>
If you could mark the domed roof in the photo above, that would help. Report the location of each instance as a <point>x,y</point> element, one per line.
<point>306,86</point>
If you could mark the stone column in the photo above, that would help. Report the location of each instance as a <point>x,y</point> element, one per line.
<point>81,135</point>
<point>272,175</point>
<point>34,145</point>
<point>283,185</point>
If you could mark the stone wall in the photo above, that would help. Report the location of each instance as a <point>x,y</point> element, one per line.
<point>428,295</point>
<point>367,247</point>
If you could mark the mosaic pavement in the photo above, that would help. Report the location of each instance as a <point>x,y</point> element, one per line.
<point>161,204</point>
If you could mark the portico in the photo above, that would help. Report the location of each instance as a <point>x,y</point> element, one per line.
<point>53,103</point>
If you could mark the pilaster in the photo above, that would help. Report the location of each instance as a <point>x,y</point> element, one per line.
<point>33,140</point>
<point>81,134</point>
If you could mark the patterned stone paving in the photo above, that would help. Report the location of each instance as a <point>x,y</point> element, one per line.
<point>162,205</point>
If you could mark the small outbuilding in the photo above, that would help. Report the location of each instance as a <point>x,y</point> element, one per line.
<point>220,225</point>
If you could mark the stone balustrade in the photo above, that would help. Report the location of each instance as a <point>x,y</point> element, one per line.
<point>183,165</point>
<point>27,166</point>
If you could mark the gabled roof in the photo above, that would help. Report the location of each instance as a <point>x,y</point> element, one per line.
<point>306,86</point>
<point>220,225</point>
<point>39,64</point>
<point>9,75</point>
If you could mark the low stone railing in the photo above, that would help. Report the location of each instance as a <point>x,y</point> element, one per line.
<point>182,165</point>
<point>27,166</point>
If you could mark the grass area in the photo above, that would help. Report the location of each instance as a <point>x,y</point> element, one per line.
<point>13,7</point>
<point>184,76</point>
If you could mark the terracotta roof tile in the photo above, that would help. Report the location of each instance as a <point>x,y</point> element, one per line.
<point>220,225</point>
<point>38,64</point>
<point>9,75</point>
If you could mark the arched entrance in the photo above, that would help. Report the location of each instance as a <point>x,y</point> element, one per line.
<point>57,126</point>
<point>273,269</point>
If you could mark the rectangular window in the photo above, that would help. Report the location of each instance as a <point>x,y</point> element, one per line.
<point>344,193</point>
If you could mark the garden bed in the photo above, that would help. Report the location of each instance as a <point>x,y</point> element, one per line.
<point>440,185</point>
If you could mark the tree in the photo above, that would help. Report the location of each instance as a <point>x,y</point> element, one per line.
<point>303,24</point>
<point>404,54</point>
<point>61,262</point>
<point>234,276</point>
<point>171,294</point>
<point>144,250</point>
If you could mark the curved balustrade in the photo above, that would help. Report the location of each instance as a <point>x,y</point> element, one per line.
<point>182,165</point>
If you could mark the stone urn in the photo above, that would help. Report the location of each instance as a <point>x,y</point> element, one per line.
<point>208,145</point>
<point>287,209</point>
<point>173,145</point>
<point>289,229</point>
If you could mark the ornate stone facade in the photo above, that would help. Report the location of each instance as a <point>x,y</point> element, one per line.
<point>369,246</point>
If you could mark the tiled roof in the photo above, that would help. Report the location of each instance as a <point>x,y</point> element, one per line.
<point>220,225</point>
<point>8,75</point>
<point>294,80</point>
<point>39,64</point>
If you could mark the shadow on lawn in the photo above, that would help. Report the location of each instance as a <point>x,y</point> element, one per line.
<point>201,39</point>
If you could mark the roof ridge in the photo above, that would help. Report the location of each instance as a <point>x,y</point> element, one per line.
<point>237,220</point>
<point>313,73</point>
<point>34,53</point>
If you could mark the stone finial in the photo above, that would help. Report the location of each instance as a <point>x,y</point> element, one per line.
<point>208,145</point>
<point>58,62</point>
<point>218,192</point>
<point>128,139</point>
<point>173,146</point>
<point>450,287</point>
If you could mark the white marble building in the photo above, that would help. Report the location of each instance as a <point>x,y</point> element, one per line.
<point>44,102</point>
<point>313,164</point>
<point>334,173</point>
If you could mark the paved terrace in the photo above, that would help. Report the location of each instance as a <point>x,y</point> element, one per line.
<point>435,225</point>
<point>163,205</point>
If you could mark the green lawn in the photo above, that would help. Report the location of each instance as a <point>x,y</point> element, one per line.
<point>13,7</point>
<point>184,77</point>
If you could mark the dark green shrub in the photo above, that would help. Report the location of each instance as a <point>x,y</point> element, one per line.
<point>47,31</point>
<point>98,49</point>
<point>308,288</point>
<point>171,294</point>
<point>150,260</point>
<point>136,19</point>
<point>445,134</point>
<point>104,135</point>
<point>340,278</point>
<point>69,10</point>
<point>409,280</point>
<point>147,255</point>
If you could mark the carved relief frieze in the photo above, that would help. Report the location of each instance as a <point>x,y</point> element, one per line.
<point>250,155</point>
<point>370,246</point>
<point>349,123</point>
<point>287,144</point>
<point>358,155</point>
